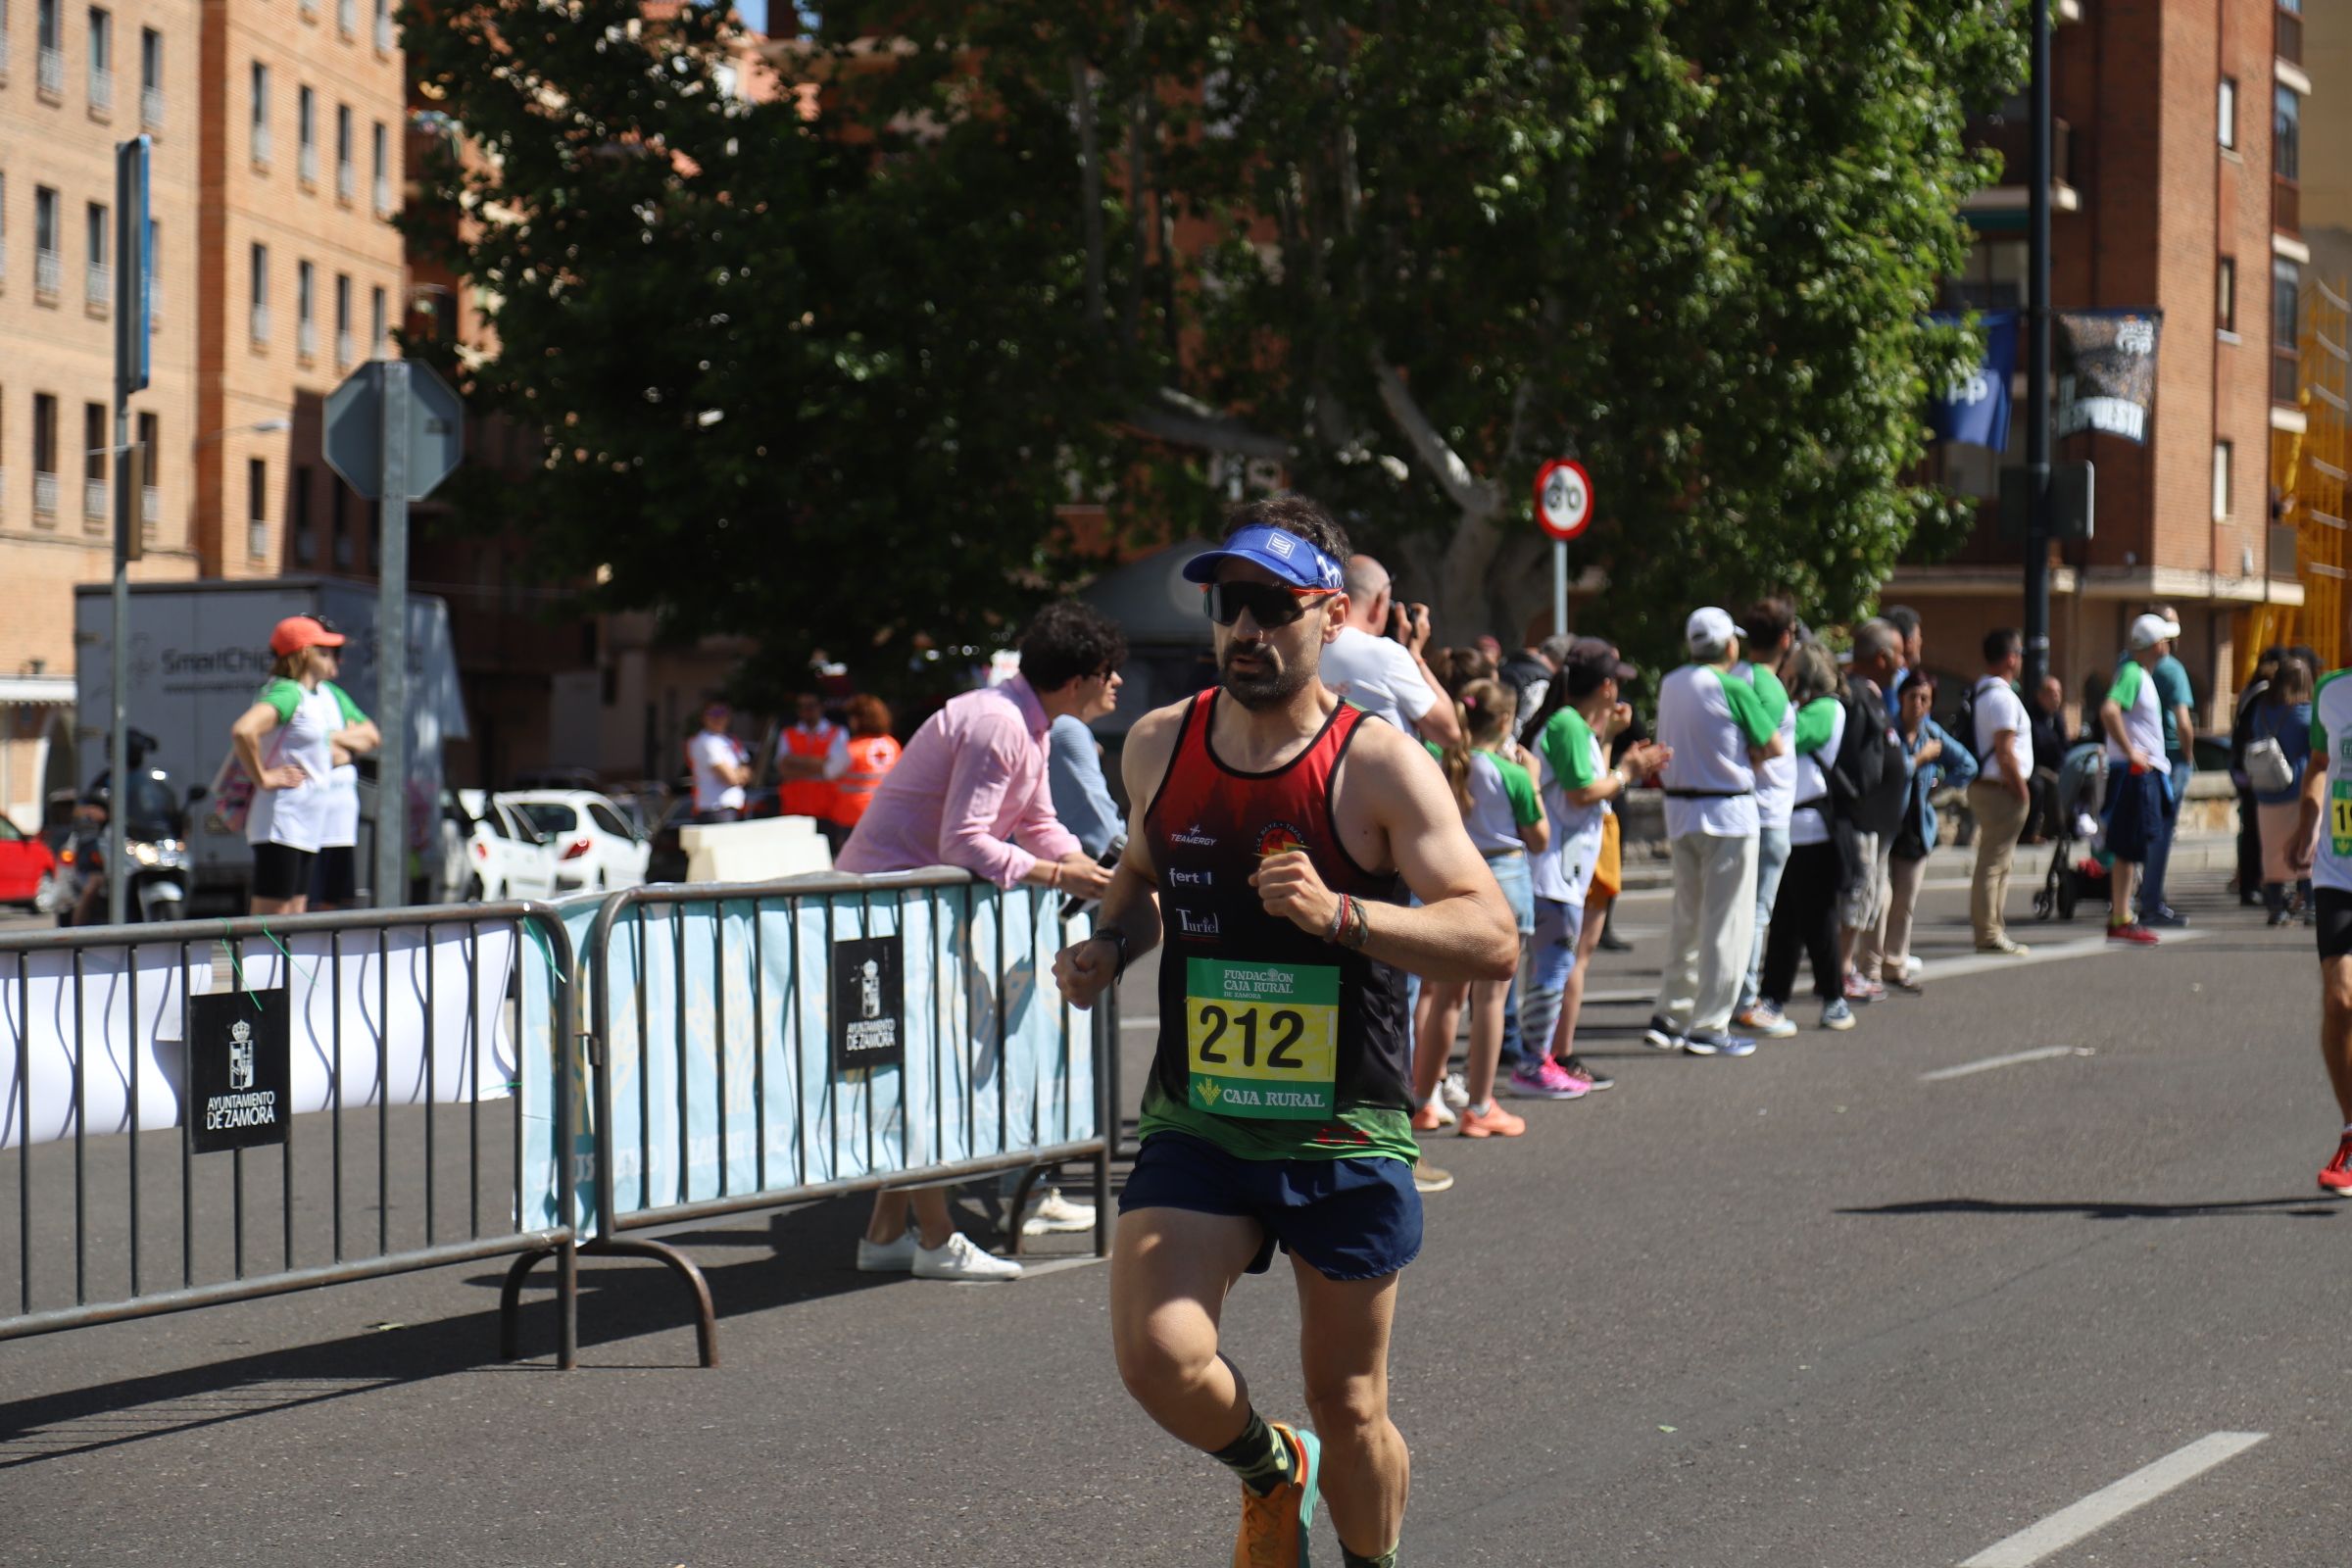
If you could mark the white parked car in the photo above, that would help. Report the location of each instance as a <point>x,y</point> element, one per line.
<point>507,856</point>
<point>595,847</point>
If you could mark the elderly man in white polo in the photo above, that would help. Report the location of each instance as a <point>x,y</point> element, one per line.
<point>1716,729</point>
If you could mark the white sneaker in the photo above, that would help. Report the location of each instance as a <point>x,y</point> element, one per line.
<point>959,1259</point>
<point>886,1258</point>
<point>1058,1213</point>
<point>1438,1108</point>
<point>1454,1092</point>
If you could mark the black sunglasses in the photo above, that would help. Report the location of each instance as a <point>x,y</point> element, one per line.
<point>1270,605</point>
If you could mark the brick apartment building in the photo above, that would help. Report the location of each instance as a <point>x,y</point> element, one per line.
<point>275,166</point>
<point>2176,164</point>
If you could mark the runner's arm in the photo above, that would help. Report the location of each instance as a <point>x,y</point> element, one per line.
<point>1131,903</point>
<point>2303,846</point>
<point>1462,930</point>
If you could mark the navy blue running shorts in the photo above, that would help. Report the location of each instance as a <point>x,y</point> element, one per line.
<point>1347,1219</point>
<point>2134,814</point>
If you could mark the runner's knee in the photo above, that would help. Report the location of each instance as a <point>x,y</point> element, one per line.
<point>1158,1357</point>
<point>1347,1404</point>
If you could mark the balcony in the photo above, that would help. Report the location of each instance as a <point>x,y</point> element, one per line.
<point>383,197</point>
<point>306,339</point>
<point>346,17</point>
<point>102,90</point>
<point>2,54</point>
<point>93,499</point>
<point>346,183</point>
<point>2287,206</point>
<point>258,327</point>
<point>97,287</point>
<point>385,37</point>
<point>2289,36</point>
<point>151,109</point>
<point>310,10</point>
<point>48,274</point>
<point>343,351</point>
<point>306,163</point>
<point>45,495</point>
<point>52,72</point>
<point>151,509</point>
<point>261,146</point>
<point>2003,203</point>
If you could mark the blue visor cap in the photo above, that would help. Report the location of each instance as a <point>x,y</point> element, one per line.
<point>1286,556</point>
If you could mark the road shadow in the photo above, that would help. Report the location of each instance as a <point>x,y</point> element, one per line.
<point>802,1255</point>
<point>2255,1208</point>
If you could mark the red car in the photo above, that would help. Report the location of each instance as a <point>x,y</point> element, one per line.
<point>25,866</point>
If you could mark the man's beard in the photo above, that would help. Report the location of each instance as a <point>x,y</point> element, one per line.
<point>1269,685</point>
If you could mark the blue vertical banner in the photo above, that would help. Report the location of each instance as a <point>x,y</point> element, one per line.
<point>1975,409</point>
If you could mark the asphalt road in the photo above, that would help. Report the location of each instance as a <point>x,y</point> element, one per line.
<point>1814,1307</point>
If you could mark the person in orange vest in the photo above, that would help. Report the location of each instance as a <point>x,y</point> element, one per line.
<point>872,753</point>
<point>811,753</point>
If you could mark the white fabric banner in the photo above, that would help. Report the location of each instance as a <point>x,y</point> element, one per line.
<point>470,1039</point>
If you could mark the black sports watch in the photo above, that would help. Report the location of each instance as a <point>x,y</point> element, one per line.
<point>1116,936</point>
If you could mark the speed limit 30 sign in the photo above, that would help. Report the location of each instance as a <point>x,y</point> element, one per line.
<point>1563,498</point>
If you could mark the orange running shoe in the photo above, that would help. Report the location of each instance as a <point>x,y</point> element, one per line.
<point>1274,1526</point>
<point>1492,1122</point>
<point>2336,1175</point>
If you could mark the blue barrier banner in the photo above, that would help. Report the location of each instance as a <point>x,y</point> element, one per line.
<point>1975,409</point>
<point>761,1045</point>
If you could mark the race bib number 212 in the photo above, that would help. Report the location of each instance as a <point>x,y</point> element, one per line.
<point>2340,818</point>
<point>1262,1040</point>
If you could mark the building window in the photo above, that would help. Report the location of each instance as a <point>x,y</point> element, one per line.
<point>151,504</point>
<point>2286,134</point>
<point>98,283</point>
<point>94,453</point>
<point>303,545</point>
<point>376,323</point>
<point>2222,454</point>
<point>48,268</point>
<point>260,113</point>
<point>306,318</point>
<point>306,134</point>
<point>343,172</point>
<point>380,169</point>
<point>44,455</point>
<point>2229,113</point>
<point>2224,302</point>
<point>52,26</point>
<point>102,60</point>
<point>256,508</point>
<point>259,302</point>
<point>151,78</point>
<point>2286,330</point>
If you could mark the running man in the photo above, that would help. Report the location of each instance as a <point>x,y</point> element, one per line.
<point>1275,834</point>
<point>2323,845</point>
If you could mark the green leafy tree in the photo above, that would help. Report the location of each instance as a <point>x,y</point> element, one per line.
<point>1407,252</point>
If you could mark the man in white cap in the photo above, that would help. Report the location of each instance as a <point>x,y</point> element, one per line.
<point>2132,718</point>
<point>1717,729</point>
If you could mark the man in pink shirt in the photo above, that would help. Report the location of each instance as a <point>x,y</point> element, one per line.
<point>971,790</point>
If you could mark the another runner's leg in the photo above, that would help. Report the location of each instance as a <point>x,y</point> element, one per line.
<point>2336,1049</point>
<point>1344,1355</point>
<point>1169,1271</point>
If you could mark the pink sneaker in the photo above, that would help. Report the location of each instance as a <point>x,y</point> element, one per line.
<point>1548,1080</point>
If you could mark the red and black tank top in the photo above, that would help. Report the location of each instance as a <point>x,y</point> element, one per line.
<point>1209,827</point>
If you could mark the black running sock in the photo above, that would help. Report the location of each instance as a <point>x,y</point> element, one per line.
<point>1356,1560</point>
<point>1258,1456</point>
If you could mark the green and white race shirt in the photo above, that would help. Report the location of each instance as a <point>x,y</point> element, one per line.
<point>2331,748</point>
<point>2134,692</point>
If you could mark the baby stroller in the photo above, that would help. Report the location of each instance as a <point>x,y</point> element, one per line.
<point>2078,865</point>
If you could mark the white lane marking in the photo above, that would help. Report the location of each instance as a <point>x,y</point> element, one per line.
<point>2044,1054</point>
<point>2111,1502</point>
<point>2046,953</point>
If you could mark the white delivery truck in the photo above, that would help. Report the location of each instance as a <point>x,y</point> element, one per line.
<point>200,653</point>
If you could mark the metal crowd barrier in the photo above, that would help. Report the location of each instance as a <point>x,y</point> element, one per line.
<point>726,1026</point>
<point>385,1031</point>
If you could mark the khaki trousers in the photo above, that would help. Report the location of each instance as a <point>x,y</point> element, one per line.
<point>2000,817</point>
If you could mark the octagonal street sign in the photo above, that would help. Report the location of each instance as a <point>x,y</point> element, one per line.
<point>354,429</point>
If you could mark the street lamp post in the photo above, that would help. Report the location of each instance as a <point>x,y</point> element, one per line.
<point>2037,361</point>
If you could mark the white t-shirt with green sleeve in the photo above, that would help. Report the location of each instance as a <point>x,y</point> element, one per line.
<point>2134,692</point>
<point>306,722</point>
<point>2331,749</point>
<point>1573,759</point>
<point>339,825</point>
<point>1710,720</point>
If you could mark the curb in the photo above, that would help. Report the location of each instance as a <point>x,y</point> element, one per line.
<point>1647,871</point>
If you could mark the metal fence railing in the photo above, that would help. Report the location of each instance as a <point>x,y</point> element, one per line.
<point>754,1046</point>
<point>212,1111</point>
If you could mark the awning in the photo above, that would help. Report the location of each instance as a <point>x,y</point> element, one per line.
<point>36,691</point>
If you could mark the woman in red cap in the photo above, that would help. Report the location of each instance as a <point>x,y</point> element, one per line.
<point>286,744</point>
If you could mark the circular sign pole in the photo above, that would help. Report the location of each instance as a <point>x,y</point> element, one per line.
<point>1563,509</point>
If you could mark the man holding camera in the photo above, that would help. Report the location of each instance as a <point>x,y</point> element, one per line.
<point>1376,663</point>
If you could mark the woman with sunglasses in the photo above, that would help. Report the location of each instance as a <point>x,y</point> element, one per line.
<point>1277,832</point>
